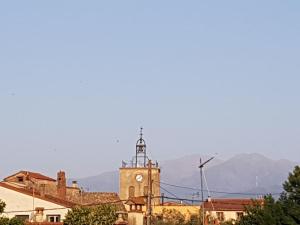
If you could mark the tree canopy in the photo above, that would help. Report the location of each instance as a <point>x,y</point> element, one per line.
<point>2,206</point>
<point>174,217</point>
<point>284,211</point>
<point>98,215</point>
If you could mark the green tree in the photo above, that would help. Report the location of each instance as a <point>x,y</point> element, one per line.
<point>2,206</point>
<point>7,221</point>
<point>16,221</point>
<point>290,199</point>
<point>12,221</point>
<point>174,217</point>
<point>169,217</point>
<point>98,215</point>
<point>104,215</point>
<point>78,215</point>
<point>4,221</point>
<point>194,220</point>
<point>284,211</point>
<point>270,213</point>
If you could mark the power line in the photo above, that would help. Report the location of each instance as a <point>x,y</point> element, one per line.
<point>218,192</point>
<point>124,200</point>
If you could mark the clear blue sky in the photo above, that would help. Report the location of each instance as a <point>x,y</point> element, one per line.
<point>201,77</point>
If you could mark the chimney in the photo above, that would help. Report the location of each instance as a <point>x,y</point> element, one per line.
<point>209,199</point>
<point>39,213</point>
<point>61,185</point>
<point>74,184</point>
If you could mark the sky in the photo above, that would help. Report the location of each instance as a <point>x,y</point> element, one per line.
<point>79,78</point>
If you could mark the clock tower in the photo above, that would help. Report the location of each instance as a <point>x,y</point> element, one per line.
<point>134,175</point>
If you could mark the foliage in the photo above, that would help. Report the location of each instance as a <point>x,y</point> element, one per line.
<point>99,215</point>
<point>228,222</point>
<point>4,221</point>
<point>194,220</point>
<point>284,211</point>
<point>12,221</point>
<point>7,221</point>
<point>2,206</point>
<point>16,221</point>
<point>174,217</point>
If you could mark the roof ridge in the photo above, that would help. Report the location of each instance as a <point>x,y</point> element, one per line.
<point>35,175</point>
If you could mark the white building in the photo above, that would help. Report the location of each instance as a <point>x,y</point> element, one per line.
<point>33,206</point>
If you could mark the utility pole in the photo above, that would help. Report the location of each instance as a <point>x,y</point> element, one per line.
<point>202,194</point>
<point>149,197</point>
<point>33,184</point>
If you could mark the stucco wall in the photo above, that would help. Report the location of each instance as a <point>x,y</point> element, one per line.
<point>128,178</point>
<point>22,204</point>
<point>135,218</point>
<point>228,215</point>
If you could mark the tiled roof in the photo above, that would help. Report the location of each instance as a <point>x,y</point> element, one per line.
<point>173,204</point>
<point>48,198</point>
<point>229,204</point>
<point>97,198</point>
<point>32,175</point>
<point>136,201</point>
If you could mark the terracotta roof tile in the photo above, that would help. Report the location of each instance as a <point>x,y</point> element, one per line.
<point>97,198</point>
<point>229,204</point>
<point>32,175</point>
<point>136,201</point>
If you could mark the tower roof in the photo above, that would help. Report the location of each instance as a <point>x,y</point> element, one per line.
<point>141,144</point>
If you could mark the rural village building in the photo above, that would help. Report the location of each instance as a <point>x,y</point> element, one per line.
<point>220,210</point>
<point>32,206</point>
<point>37,198</point>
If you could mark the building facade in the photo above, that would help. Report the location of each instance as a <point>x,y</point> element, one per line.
<point>32,206</point>
<point>218,211</point>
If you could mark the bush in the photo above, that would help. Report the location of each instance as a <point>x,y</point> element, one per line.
<point>98,215</point>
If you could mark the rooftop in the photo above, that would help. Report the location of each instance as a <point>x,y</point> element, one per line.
<point>30,174</point>
<point>229,204</point>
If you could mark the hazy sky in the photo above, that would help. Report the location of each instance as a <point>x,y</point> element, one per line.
<point>78,79</point>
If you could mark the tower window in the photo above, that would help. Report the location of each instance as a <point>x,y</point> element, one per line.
<point>131,191</point>
<point>145,190</point>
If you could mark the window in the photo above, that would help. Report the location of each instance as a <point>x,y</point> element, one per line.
<point>131,191</point>
<point>220,216</point>
<point>145,190</point>
<point>23,217</point>
<point>53,218</point>
<point>20,179</point>
<point>239,215</point>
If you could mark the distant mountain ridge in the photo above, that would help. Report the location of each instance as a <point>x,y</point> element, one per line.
<point>243,173</point>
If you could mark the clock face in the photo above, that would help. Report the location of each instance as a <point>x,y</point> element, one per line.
<point>139,178</point>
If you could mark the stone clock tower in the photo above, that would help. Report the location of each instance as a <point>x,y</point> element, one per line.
<point>134,175</point>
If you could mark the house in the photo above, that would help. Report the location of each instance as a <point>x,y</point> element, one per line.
<point>43,184</point>
<point>32,205</point>
<point>220,210</point>
<point>35,197</point>
<point>137,210</point>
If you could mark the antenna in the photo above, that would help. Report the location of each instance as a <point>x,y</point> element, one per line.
<point>201,179</point>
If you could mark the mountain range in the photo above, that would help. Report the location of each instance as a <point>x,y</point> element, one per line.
<point>243,175</point>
